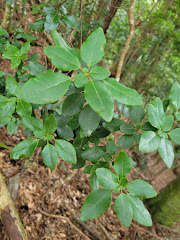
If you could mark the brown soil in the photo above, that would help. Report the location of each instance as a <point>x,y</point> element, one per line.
<point>50,209</point>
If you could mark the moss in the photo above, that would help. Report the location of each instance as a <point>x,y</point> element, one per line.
<point>165,207</point>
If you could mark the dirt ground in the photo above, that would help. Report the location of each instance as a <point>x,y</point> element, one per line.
<point>49,203</point>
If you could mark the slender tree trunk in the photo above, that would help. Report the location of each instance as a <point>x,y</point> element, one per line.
<point>115,4</point>
<point>166,206</point>
<point>9,216</point>
<point>6,22</point>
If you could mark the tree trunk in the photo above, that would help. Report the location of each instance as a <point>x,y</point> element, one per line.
<point>166,206</point>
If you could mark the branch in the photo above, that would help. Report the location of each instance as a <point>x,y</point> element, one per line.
<point>9,216</point>
<point>128,40</point>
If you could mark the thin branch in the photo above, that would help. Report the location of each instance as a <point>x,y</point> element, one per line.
<point>81,8</point>
<point>128,40</point>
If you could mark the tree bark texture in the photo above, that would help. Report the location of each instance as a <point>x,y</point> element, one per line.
<point>166,206</point>
<point>9,216</point>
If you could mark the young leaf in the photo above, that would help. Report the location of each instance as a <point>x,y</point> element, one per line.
<point>141,189</point>
<point>49,156</point>
<point>140,213</point>
<point>99,99</point>
<point>121,93</point>
<point>88,120</point>
<point>156,113</point>
<point>107,179</point>
<point>45,88</point>
<point>175,135</point>
<point>99,73</point>
<point>24,149</point>
<point>122,164</point>
<point>50,124</point>
<point>80,80</point>
<point>62,58</point>
<point>167,123</point>
<point>166,152</point>
<point>149,142</point>
<point>96,203</point>
<point>24,109</point>
<point>72,104</point>
<point>66,151</point>
<point>93,182</point>
<point>174,95</point>
<point>12,86</point>
<point>123,209</point>
<point>92,50</point>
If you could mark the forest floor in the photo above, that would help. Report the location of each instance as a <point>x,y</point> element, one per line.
<point>49,203</point>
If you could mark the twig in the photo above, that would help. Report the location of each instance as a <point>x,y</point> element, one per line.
<point>128,40</point>
<point>81,8</point>
<point>66,219</point>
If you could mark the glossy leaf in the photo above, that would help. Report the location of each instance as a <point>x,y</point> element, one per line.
<point>80,80</point>
<point>62,58</point>
<point>175,135</point>
<point>49,156</point>
<point>66,151</point>
<point>96,203</point>
<point>156,113</point>
<point>45,88</point>
<point>93,182</point>
<point>167,123</point>
<point>121,93</point>
<point>12,86</point>
<point>122,164</point>
<point>107,179</point>
<point>99,99</point>
<point>72,104</point>
<point>149,142</point>
<point>166,152</point>
<point>174,95</point>
<point>23,108</point>
<point>92,50</point>
<point>99,73</point>
<point>140,213</point>
<point>88,120</point>
<point>123,209</point>
<point>24,149</point>
<point>141,189</point>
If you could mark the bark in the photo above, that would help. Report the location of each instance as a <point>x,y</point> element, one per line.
<point>166,206</point>
<point>6,22</point>
<point>9,216</point>
<point>115,4</point>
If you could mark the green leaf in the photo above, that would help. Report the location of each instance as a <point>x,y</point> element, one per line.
<point>24,109</point>
<point>35,125</point>
<point>123,209</point>
<point>96,203</point>
<point>174,95</point>
<point>25,48</point>
<point>66,151</point>
<point>99,73</point>
<point>140,213</point>
<point>175,135</point>
<point>107,179</point>
<point>88,120</point>
<point>127,128</point>
<point>121,93</point>
<point>166,152</point>
<point>59,41</point>
<point>80,80</point>
<point>111,147</point>
<point>93,154</point>
<point>156,113</point>
<point>72,104</point>
<point>7,106</point>
<point>45,88</point>
<point>136,113</point>
<point>65,132</point>
<point>93,182</point>
<point>12,86</point>
<point>177,115</point>
<point>12,53</point>
<point>99,99</point>
<point>167,123</point>
<point>62,58</point>
<point>149,142</point>
<point>49,156</point>
<point>92,50</point>
<point>24,149</point>
<point>12,126</point>
<point>114,125</point>
<point>50,124</point>
<point>35,68</point>
<point>126,141</point>
<point>141,189</point>
<point>122,164</point>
